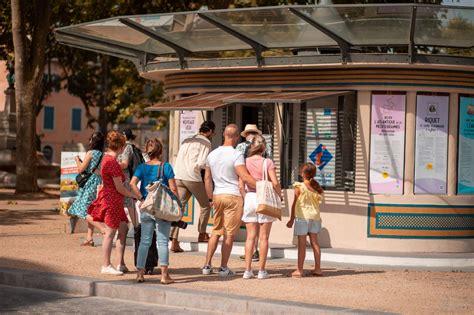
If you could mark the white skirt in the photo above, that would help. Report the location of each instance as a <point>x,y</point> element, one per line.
<point>250,207</point>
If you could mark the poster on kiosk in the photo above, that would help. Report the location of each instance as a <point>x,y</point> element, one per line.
<point>387,143</point>
<point>466,146</point>
<point>431,150</point>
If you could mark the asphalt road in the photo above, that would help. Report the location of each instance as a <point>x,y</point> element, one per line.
<point>14,300</point>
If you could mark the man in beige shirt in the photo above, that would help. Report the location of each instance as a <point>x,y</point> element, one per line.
<point>190,161</point>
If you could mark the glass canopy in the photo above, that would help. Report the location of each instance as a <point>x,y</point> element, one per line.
<point>344,28</point>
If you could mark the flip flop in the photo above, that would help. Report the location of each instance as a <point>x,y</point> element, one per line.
<point>291,275</point>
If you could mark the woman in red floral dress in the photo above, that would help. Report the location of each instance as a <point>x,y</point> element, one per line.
<point>107,211</point>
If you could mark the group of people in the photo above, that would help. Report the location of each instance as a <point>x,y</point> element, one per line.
<point>223,179</point>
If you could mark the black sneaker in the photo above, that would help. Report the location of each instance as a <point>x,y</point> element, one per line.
<point>256,256</point>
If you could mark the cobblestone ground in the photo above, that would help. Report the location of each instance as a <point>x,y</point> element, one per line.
<point>29,301</point>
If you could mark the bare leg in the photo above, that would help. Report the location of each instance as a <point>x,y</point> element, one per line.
<point>133,214</point>
<point>98,225</point>
<point>211,248</point>
<point>90,232</point>
<point>227,249</point>
<point>249,244</point>
<point>263,237</point>
<point>121,240</point>
<point>301,256</point>
<point>317,253</point>
<point>107,245</point>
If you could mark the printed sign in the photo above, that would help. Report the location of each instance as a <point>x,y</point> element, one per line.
<point>188,125</point>
<point>324,161</point>
<point>431,153</point>
<point>466,146</point>
<point>188,215</point>
<point>387,144</point>
<point>68,187</point>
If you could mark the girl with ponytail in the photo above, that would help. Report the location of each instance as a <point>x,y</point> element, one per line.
<point>306,218</point>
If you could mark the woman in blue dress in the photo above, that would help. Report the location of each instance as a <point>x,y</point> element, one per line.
<point>87,194</point>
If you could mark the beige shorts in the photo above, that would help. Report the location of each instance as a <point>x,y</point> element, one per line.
<point>228,210</point>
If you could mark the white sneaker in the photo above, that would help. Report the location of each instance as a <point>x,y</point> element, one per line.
<point>225,272</point>
<point>122,268</point>
<point>262,274</point>
<point>110,270</point>
<point>248,274</point>
<point>206,270</point>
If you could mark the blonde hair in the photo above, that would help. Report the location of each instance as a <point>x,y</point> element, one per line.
<point>257,146</point>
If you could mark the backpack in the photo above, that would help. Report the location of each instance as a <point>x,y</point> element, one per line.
<point>135,159</point>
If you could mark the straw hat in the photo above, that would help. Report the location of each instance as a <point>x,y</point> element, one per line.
<point>250,128</point>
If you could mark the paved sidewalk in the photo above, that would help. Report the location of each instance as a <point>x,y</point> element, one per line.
<point>36,240</point>
<point>15,300</point>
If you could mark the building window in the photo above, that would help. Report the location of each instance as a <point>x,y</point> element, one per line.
<point>48,153</point>
<point>48,122</point>
<point>76,119</point>
<point>466,145</point>
<point>325,137</point>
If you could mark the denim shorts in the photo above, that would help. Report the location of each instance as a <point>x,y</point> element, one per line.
<point>303,227</point>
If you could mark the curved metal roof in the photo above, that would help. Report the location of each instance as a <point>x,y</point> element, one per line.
<point>281,31</point>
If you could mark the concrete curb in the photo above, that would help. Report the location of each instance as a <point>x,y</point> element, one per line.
<point>157,294</point>
<point>449,261</point>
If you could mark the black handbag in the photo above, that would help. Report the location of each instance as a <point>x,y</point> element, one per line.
<point>82,178</point>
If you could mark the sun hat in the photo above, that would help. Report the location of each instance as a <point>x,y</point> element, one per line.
<point>250,128</point>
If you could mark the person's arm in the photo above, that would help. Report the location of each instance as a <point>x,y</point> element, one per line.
<point>243,173</point>
<point>242,187</point>
<point>202,158</point>
<point>82,165</point>
<point>124,191</point>
<point>173,187</point>
<point>208,183</point>
<point>293,207</point>
<point>134,187</point>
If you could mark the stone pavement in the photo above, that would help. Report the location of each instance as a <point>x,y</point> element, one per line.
<point>32,237</point>
<point>15,300</point>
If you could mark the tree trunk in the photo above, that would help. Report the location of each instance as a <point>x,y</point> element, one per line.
<point>29,69</point>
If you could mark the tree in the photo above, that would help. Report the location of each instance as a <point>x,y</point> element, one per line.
<point>29,41</point>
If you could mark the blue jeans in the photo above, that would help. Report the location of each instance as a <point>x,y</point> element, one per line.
<point>162,236</point>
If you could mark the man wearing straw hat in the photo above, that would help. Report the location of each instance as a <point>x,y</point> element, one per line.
<point>249,133</point>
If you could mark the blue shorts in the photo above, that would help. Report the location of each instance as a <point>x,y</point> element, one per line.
<point>303,227</point>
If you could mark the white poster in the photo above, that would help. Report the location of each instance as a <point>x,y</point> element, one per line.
<point>466,146</point>
<point>188,125</point>
<point>68,187</point>
<point>387,144</point>
<point>431,152</point>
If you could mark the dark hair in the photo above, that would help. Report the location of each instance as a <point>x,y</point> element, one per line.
<point>96,141</point>
<point>308,171</point>
<point>154,148</point>
<point>115,140</point>
<point>257,146</point>
<point>207,126</point>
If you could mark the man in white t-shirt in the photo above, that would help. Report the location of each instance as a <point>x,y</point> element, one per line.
<point>224,166</point>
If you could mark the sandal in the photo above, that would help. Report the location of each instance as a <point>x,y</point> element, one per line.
<point>88,243</point>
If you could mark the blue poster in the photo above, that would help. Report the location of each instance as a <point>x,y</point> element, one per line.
<point>466,146</point>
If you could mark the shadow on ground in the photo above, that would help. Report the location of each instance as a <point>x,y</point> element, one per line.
<point>9,195</point>
<point>13,217</point>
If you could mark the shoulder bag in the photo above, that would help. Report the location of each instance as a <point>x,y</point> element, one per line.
<point>161,202</point>
<point>268,201</point>
<point>82,178</point>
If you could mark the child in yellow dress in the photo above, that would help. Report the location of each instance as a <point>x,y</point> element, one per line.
<point>306,218</point>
